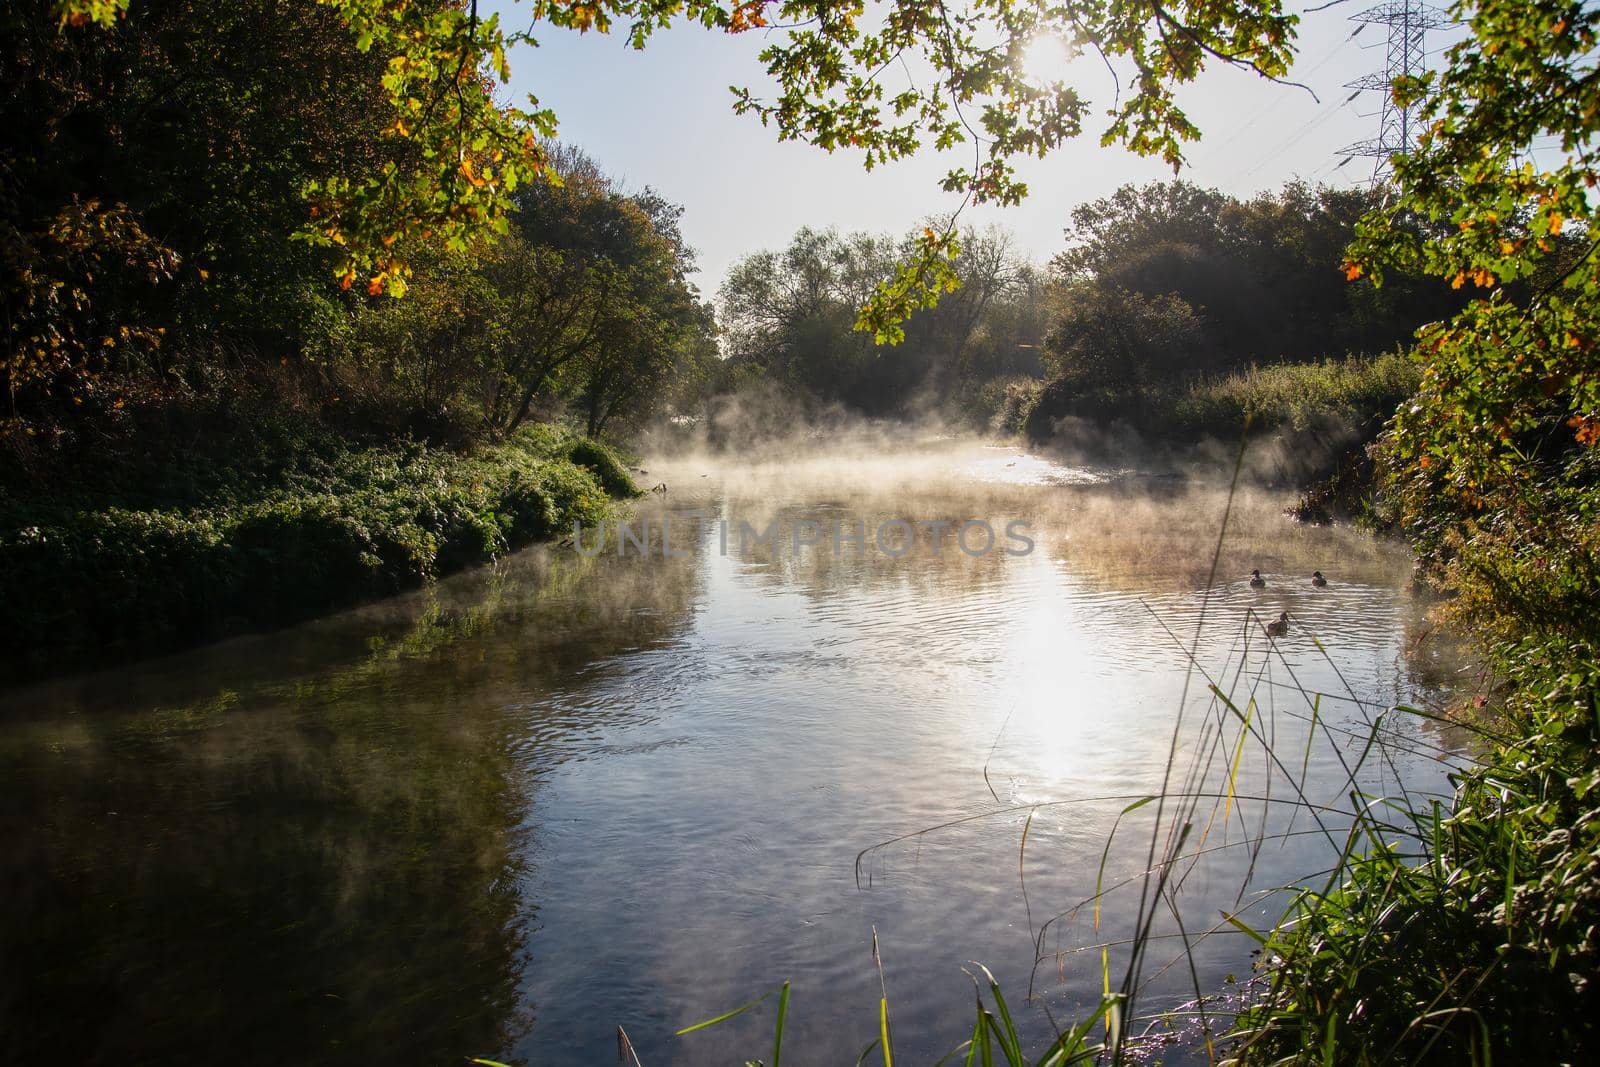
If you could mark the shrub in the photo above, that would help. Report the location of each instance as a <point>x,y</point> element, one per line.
<point>603,462</point>
<point>336,528</point>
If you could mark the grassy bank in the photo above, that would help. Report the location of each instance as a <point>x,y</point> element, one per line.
<point>1465,933</point>
<point>182,546</point>
<point>1318,417</point>
<point>1353,396</point>
<point>1470,933</point>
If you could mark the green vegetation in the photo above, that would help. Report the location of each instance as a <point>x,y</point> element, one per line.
<point>1464,935</point>
<point>1479,945</point>
<point>1152,319</point>
<point>207,426</point>
<point>1177,312</point>
<point>289,526</point>
<point>788,320</point>
<point>1359,391</point>
<point>994,1033</point>
<point>1356,395</point>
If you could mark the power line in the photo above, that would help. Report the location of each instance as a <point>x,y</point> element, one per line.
<point>1278,101</point>
<point>1295,138</point>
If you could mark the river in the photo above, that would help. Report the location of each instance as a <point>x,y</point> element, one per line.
<point>507,814</point>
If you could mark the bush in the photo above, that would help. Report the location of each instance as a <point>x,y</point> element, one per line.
<point>333,530</point>
<point>604,464</point>
<point>1484,951</point>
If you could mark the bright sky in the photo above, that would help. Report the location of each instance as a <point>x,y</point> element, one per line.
<point>663,117</point>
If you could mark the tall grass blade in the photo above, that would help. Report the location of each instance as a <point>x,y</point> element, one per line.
<point>625,1053</point>
<point>725,1016</point>
<point>777,1034</point>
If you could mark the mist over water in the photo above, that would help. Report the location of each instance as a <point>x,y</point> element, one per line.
<point>502,816</point>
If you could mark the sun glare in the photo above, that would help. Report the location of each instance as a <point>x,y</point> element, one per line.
<point>1045,59</point>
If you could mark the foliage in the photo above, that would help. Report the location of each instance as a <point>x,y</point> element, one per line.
<point>54,333</point>
<point>1485,950</point>
<point>1116,343</point>
<point>153,171</point>
<point>1171,280</point>
<point>462,155</point>
<point>1488,462</point>
<point>1354,396</point>
<point>375,137</point>
<point>994,1032</point>
<point>602,462</point>
<point>450,158</point>
<point>790,315</point>
<point>1362,391</point>
<point>585,302</point>
<point>830,76</point>
<point>340,525</point>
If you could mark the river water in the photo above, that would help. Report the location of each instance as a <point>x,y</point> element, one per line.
<point>505,815</point>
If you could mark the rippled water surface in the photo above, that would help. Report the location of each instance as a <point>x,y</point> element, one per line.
<point>503,816</point>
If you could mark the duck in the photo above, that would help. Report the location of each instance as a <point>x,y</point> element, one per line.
<point>1280,626</point>
<point>1256,581</point>
<point>1318,580</point>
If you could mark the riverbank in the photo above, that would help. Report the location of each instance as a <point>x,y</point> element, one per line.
<point>275,523</point>
<point>1466,931</point>
<point>1309,424</point>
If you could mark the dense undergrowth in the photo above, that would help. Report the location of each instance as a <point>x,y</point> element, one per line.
<point>1356,395</point>
<point>277,519</point>
<point>1471,933</point>
<point>1467,933</point>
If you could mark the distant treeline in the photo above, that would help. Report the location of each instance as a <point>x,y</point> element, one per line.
<point>788,318</point>
<point>1159,286</point>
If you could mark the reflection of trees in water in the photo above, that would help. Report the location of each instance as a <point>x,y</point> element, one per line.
<point>311,869</point>
<point>821,570</point>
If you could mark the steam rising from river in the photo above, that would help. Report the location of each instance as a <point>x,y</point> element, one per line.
<point>1158,529</point>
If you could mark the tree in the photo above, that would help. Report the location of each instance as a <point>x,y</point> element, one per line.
<point>658,331</point>
<point>1264,276</point>
<point>1114,344</point>
<point>1494,460</point>
<point>1503,375</point>
<point>667,351</point>
<point>1496,474</point>
<point>590,281</point>
<point>151,183</point>
<point>792,313</point>
<point>465,155</point>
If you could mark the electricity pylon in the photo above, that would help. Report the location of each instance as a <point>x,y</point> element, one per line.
<point>1407,56</point>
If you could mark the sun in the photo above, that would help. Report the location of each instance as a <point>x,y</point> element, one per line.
<point>1045,59</point>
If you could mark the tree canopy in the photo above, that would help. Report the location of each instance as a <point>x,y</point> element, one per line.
<point>787,317</point>
<point>457,155</point>
<point>1169,280</point>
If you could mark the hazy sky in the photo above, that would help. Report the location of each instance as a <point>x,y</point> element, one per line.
<point>663,117</point>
